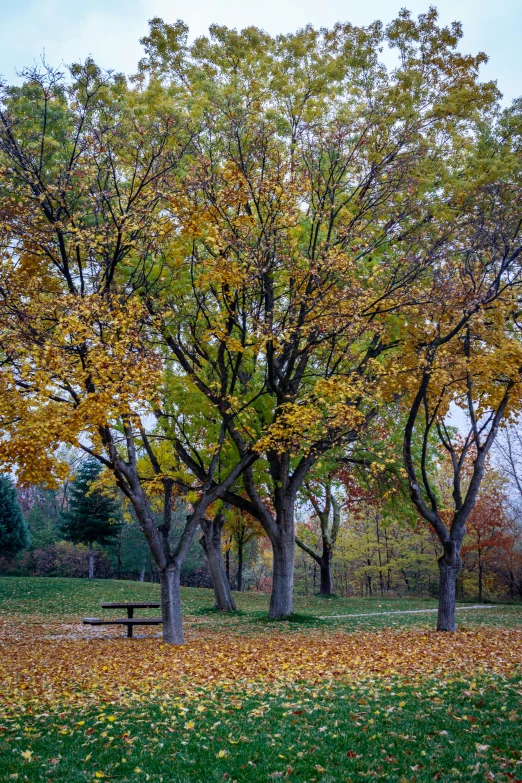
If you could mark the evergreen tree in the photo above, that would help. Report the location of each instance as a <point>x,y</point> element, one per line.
<point>93,516</point>
<point>41,508</point>
<point>14,535</point>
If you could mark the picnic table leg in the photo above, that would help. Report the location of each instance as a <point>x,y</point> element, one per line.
<point>129,631</point>
<point>130,615</point>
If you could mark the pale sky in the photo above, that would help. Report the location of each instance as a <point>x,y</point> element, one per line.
<point>109,30</point>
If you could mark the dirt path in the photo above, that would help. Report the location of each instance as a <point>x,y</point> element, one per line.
<point>404,611</point>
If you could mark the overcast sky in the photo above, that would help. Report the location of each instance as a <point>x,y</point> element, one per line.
<point>110,30</point>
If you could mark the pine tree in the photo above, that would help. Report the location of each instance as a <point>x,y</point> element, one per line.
<point>92,516</point>
<point>14,535</point>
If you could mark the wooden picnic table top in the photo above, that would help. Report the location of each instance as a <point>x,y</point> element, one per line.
<point>123,621</point>
<point>131,605</point>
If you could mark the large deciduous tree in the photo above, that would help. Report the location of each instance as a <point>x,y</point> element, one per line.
<point>307,224</point>
<point>466,351</point>
<point>84,165</point>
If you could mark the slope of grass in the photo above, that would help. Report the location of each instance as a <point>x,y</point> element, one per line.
<point>53,600</point>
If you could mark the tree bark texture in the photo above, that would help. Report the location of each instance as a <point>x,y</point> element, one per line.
<point>448,572</point>
<point>171,605</point>
<point>325,565</point>
<point>211,543</point>
<point>282,597</point>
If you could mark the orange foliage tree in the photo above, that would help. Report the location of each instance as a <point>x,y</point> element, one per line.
<point>488,530</point>
<point>84,164</point>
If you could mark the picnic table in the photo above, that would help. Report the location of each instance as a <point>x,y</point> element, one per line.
<point>130,621</point>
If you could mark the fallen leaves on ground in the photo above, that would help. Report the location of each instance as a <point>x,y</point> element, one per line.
<point>42,674</point>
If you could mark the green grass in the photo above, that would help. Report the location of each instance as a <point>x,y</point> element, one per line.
<point>50,600</point>
<point>394,732</point>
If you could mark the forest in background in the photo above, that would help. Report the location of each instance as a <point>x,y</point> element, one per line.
<point>379,548</point>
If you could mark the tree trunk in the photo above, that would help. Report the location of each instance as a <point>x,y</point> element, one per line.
<point>282,597</point>
<point>211,543</point>
<point>222,592</point>
<point>91,561</point>
<point>240,568</point>
<point>326,579</point>
<point>143,567</point>
<point>480,582</point>
<point>171,605</point>
<point>448,573</point>
<point>325,565</point>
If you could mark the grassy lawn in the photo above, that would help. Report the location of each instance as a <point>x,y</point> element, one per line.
<point>49,601</point>
<point>321,698</point>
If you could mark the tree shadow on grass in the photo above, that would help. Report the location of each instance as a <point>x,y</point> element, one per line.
<point>296,619</point>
